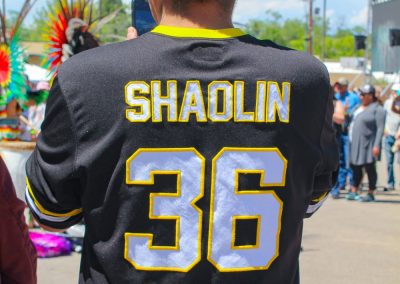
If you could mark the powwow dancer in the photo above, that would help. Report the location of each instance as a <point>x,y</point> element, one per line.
<point>13,84</point>
<point>70,30</point>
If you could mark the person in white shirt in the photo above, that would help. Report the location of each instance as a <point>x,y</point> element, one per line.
<point>392,126</point>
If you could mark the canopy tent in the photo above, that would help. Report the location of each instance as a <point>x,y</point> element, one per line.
<point>37,74</point>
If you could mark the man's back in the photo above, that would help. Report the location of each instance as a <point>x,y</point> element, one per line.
<point>193,156</point>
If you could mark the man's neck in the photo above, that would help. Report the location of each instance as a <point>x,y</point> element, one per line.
<point>200,19</point>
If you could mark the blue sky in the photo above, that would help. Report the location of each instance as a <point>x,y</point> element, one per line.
<point>352,12</point>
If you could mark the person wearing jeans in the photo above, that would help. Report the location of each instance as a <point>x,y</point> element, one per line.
<point>389,141</point>
<point>392,125</point>
<point>338,119</point>
<point>350,101</point>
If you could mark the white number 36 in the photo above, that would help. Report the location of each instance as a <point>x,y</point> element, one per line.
<point>228,205</point>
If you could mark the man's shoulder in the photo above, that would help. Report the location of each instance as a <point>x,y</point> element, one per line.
<point>353,95</point>
<point>100,60</point>
<point>288,56</point>
<point>298,67</point>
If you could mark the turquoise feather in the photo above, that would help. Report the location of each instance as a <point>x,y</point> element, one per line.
<point>17,88</point>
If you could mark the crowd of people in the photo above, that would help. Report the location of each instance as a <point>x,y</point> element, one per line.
<point>366,124</point>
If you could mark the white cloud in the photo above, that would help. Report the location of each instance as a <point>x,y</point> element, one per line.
<point>359,18</point>
<point>250,9</point>
<point>330,13</point>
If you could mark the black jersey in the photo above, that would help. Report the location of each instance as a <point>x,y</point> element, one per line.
<point>193,156</point>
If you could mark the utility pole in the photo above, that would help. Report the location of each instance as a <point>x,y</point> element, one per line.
<point>100,8</point>
<point>367,75</point>
<point>324,28</point>
<point>310,27</point>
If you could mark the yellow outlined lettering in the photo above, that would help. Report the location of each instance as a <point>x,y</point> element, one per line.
<point>193,103</point>
<point>213,92</point>
<point>142,102</point>
<point>261,98</point>
<point>178,232</point>
<point>170,101</point>
<point>282,107</point>
<point>247,192</point>
<point>239,114</point>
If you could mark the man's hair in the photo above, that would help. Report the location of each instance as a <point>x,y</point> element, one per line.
<point>181,5</point>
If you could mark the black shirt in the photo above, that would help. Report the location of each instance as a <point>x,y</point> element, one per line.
<point>193,156</point>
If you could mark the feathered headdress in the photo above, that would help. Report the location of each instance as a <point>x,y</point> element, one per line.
<point>13,84</point>
<point>70,30</point>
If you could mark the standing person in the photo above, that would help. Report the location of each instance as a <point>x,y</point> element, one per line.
<point>339,116</point>
<point>350,101</point>
<point>17,253</point>
<point>188,151</point>
<point>396,101</point>
<point>366,132</point>
<point>392,126</point>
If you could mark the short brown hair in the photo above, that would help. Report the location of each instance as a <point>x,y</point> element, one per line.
<point>181,5</point>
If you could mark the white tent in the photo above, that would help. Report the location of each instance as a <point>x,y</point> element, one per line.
<point>36,73</point>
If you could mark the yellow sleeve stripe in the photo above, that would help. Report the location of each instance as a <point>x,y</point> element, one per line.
<point>320,198</point>
<point>46,212</point>
<point>198,33</point>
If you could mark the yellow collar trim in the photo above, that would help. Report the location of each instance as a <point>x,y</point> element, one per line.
<point>198,33</point>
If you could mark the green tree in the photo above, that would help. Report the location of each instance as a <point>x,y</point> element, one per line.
<point>288,32</point>
<point>25,32</point>
<point>293,33</point>
<point>109,6</point>
<point>269,28</point>
<point>116,29</point>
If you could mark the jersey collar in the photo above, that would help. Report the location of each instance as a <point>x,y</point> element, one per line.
<point>198,33</point>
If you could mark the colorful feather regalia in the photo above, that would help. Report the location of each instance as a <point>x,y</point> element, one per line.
<point>70,30</point>
<point>12,78</point>
<point>13,84</point>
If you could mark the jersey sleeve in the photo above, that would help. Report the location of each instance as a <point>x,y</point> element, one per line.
<point>327,170</point>
<point>53,184</point>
